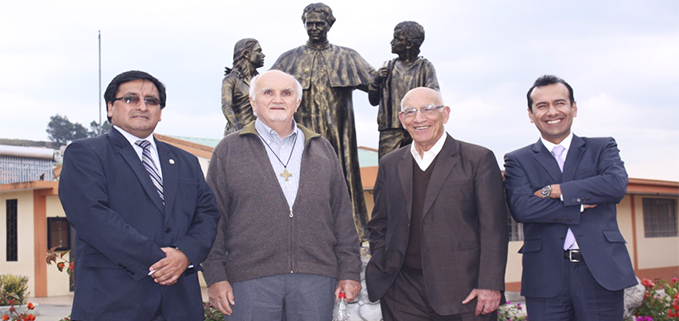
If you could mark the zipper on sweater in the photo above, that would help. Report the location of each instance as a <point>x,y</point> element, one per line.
<point>290,247</point>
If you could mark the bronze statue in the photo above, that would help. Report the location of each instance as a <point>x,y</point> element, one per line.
<point>247,57</point>
<point>328,74</point>
<point>392,81</point>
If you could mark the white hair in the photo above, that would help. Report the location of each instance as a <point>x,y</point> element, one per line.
<point>253,85</point>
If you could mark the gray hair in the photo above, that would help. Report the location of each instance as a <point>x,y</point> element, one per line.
<point>253,85</point>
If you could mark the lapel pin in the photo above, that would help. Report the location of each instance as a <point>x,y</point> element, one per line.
<point>171,161</point>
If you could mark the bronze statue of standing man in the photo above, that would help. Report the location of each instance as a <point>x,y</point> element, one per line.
<point>395,79</point>
<point>329,74</point>
<point>247,57</point>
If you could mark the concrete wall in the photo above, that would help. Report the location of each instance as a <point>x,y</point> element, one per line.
<point>25,256</point>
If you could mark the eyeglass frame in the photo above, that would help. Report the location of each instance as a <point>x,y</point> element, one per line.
<point>148,101</point>
<point>428,110</point>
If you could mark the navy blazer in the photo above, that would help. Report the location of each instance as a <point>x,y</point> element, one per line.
<point>464,225</point>
<point>593,174</point>
<point>121,225</point>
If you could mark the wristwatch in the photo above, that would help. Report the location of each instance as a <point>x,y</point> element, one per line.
<point>546,191</point>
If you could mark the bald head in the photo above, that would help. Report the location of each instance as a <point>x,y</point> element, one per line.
<point>424,116</point>
<point>422,94</point>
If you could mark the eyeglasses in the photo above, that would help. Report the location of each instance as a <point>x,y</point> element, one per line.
<point>134,100</point>
<point>428,110</point>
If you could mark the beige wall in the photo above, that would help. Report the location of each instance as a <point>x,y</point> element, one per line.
<point>625,223</point>
<point>57,282</point>
<point>24,265</point>
<point>655,252</point>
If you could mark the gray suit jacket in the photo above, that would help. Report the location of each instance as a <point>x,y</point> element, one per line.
<point>593,174</point>
<point>464,227</point>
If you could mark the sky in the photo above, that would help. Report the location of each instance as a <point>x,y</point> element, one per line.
<point>620,57</point>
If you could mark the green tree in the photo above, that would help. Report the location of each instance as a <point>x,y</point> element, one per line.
<point>62,131</point>
<point>96,130</point>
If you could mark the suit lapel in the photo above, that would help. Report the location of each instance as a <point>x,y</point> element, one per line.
<point>130,156</point>
<point>545,158</point>
<point>573,158</point>
<point>447,159</point>
<point>405,173</point>
<point>170,170</point>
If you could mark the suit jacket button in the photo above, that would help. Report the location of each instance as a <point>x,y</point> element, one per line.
<point>168,230</point>
<point>579,200</point>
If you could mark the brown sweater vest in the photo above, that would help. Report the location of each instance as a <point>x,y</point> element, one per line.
<point>413,259</point>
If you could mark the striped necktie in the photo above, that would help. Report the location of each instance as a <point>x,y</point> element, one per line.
<point>151,166</point>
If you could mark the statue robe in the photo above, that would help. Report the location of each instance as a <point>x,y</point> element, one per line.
<point>236,101</point>
<point>328,75</point>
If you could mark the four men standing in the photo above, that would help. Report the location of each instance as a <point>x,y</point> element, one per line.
<point>286,240</point>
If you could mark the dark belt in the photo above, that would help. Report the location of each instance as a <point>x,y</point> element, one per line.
<point>573,255</point>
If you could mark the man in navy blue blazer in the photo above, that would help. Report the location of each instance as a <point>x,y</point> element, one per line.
<point>564,189</point>
<point>144,216</point>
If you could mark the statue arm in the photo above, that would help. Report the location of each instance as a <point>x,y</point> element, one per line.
<point>375,86</point>
<point>227,103</point>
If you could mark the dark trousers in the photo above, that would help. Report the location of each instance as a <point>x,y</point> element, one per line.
<point>407,300</point>
<point>581,299</point>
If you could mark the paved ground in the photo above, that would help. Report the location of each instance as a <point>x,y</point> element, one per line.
<point>55,308</point>
<point>52,308</point>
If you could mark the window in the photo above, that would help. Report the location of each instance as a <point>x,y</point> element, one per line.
<point>58,234</point>
<point>660,217</point>
<point>12,231</point>
<point>515,229</point>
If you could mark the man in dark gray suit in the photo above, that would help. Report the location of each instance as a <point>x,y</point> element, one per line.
<point>438,232</point>
<point>144,216</point>
<point>564,189</point>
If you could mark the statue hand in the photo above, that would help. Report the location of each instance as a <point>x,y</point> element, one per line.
<point>380,76</point>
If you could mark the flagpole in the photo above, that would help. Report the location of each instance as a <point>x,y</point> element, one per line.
<point>100,123</point>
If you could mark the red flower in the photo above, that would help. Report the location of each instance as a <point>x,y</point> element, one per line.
<point>5,317</point>
<point>647,283</point>
<point>675,279</point>
<point>30,306</point>
<point>11,309</point>
<point>61,265</point>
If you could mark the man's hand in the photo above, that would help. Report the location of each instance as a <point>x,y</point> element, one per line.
<point>488,300</point>
<point>168,270</point>
<point>221,296</point>
<point>351,289</point>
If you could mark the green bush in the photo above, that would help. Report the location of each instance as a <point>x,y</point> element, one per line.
<point>13,287</point>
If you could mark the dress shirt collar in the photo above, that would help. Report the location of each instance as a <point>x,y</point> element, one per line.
<point>154,150</point>
<point>133,139</point>
<point>428,156</point>
<point>566,143</point>
<point>268,133</point>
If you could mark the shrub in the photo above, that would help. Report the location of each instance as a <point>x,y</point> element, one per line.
<point>13,287</point>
